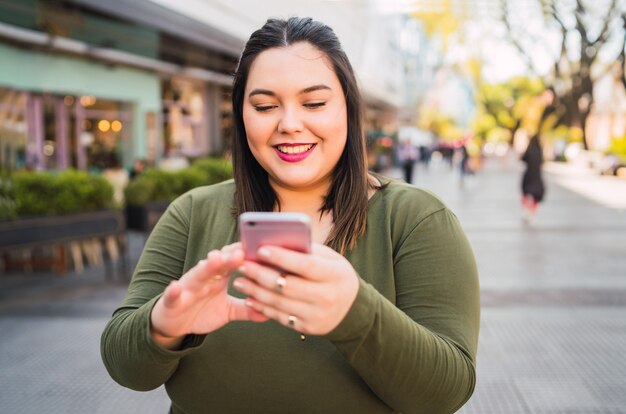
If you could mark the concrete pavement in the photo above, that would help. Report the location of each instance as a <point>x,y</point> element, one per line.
<point>553,328</point>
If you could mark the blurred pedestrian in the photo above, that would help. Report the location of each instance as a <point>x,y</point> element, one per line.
<point>533,188</point>
<point>138,166</point>
<point>387,299</point>
<point>407,155</point>
<point>424,155</point>
<point>464,166</point>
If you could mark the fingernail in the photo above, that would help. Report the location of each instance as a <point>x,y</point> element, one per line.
<point>241,269</point>
<point>250,304</point>
<point>201,262</point>
<point>237,284</point>
<point>211,253</point>
<point>263,252</point>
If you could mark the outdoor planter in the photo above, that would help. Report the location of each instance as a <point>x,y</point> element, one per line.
<point>145,217</point>
<point>26,234</point>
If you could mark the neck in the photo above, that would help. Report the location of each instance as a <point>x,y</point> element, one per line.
<point>309,202</point>
<point>304,201</point>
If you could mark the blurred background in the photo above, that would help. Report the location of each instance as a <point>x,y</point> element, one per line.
<point>111,109</point>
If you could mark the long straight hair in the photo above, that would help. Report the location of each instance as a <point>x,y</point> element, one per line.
<point>347,197</point>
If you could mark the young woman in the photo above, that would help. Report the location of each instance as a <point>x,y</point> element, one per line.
<point>387,299</point>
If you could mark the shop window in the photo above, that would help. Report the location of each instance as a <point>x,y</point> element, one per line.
<point>103,130</point>
<point>226,120</point>
<point>54,132</point>
<point>184,107</point>
<point>13,129</point>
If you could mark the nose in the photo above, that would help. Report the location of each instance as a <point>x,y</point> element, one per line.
<point>290,121</point>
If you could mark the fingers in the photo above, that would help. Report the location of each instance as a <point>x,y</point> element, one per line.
<point>281,284</point>
<point>311,265</point>
<point>285,318</point>
<point>269,297</point>
<point>218,266</point>
<point>231,247</point>
<point>281,297</point>
<point>239,311</point>
<point>318,288</point>
<point>171,294</point>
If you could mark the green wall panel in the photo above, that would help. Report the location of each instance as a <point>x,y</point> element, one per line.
<point>45,72</point>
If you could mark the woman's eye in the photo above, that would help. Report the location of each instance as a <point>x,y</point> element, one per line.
<point>264,108</point>
<point>315,105</point>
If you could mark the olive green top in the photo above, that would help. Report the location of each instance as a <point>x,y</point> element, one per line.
<point>408,343</point>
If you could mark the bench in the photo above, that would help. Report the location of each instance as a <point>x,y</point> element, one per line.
<point>99,236</point>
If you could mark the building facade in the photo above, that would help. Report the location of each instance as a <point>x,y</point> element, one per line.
<point>93,85</point>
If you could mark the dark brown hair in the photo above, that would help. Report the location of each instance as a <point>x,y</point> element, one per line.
<point>348,194</point>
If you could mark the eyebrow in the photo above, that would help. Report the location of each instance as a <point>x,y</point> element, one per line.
<point>303,91</point>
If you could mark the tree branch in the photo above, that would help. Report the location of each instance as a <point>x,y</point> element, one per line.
<point>578,13</point>
<point>530,64</point>
<point>604,34</point>
<point>621,58</point>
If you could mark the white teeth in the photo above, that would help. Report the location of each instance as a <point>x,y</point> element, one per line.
<point>294,149</point>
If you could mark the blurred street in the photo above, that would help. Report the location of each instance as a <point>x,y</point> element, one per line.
<point>553,306</point>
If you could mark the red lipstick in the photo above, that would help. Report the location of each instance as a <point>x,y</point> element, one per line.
<point>296,156</point>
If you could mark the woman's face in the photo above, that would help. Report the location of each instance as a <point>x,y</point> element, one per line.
<point>295,116</point>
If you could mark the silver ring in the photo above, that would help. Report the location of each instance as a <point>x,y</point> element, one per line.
<point>279,284</point>
<point>291,321</point>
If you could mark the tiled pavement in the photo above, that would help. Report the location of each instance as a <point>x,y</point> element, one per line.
<point>553,331</point>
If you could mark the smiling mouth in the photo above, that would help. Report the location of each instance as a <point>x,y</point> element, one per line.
<point>294,149</point>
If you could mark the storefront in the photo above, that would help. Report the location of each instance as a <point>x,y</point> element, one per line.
<point>192,111</point>
<point>62,112</point>
<point>92,88</point>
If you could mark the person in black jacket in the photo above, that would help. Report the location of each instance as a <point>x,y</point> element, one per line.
<point>533,188</point>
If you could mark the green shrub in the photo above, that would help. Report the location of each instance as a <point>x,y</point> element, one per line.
<point>215,170</point>
<point>139,191</point>
<point>49,193</point>
<point>159,185</point>
<point>7,198</point>
<point>79,191</point>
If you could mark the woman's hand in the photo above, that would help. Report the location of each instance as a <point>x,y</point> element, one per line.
<point>198,303</point>
<point>312,295</point>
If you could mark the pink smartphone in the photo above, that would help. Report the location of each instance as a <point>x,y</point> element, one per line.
<point>288,230</point>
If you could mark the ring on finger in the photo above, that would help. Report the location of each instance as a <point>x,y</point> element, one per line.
<point>280,283</point>
<point>291,321</point>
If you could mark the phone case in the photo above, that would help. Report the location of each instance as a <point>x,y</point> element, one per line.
<point>288,230</point>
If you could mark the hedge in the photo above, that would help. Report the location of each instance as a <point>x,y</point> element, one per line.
<point>158,185</point>
<point>29,193</point>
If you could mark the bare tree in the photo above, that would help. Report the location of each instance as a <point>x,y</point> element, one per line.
<point>587,30</point>
<point>622,56</point>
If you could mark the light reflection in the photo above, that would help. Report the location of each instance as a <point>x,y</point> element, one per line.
<point>104,125</point>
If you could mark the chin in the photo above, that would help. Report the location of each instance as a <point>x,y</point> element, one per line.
<point>299,181</point>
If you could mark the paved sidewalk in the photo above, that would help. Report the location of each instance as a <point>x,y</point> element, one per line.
<point>553,329</point>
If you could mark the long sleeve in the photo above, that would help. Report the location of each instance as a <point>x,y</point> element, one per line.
<point>130,355</point>
<point>407,344</point>
<point>418,355</point>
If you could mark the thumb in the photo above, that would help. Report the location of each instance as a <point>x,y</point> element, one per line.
<point>171,295</point>
<point>324,251</point>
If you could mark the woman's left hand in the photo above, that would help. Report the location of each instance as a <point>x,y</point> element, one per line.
<point>313,293</point>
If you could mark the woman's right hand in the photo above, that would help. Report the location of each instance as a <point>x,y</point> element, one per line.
<point>198,303</point>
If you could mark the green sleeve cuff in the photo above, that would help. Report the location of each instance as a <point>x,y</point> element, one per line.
<point>360,317</point>
<point>189,344</point>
